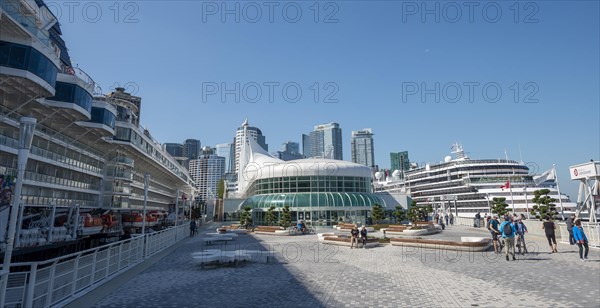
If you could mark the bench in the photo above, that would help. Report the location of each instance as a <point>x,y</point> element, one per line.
<point>480,245</point>
<point>344,240</point>
<point>271,230</point>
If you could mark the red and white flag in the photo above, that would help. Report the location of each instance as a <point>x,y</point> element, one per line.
<point>183,197</point>
<point>507,185</point>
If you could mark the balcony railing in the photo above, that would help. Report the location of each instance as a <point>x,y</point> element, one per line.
<point>76,71</point>
<point>29,22</point>
<point>14,143</point>
<point>61,202</point>
<point>42,178</point>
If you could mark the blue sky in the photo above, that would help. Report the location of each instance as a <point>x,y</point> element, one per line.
<point>375,56</point>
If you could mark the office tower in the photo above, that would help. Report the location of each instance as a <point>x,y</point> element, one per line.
<point>191,148</point>
<point>207,171</point>
<point>254,133</point>
<point>225,150</point>
<point>326,141</point>
<point>362,147</point>
<point>289,151</point>
<point>306,146</point>
<point>400,161</point>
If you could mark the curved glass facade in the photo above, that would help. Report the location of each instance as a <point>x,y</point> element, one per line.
<point>103,116</point>
<point>321,199</point>
<point>28,58</point>
<point>308,184</point>
<point>71,93</point>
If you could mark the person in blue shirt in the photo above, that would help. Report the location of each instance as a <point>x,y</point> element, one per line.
<point>507,228</point>
<point>301,226</point>
<point>581,240</point>
<point>521,230</point>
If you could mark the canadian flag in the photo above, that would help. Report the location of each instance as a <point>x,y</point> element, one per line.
<point>507,185</point>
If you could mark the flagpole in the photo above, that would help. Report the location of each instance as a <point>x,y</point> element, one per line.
<point>562,209</point>
<point>512,199</point>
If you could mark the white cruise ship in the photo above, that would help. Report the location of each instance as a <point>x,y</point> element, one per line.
<point>88,155</point>
<point>467,186</point>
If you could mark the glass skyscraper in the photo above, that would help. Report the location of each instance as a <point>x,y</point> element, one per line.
<point>400,161</point>
<point>226,150</point>
<point>324,141</point>
<point>363,151</point>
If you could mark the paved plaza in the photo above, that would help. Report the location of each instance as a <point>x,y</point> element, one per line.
<point>307,273</point>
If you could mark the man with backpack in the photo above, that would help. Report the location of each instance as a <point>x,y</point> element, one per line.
<point>508,235</point>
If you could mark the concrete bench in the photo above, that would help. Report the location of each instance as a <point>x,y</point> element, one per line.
<point>271,230</point>
<point>345,241</point>
<point>440,244</point>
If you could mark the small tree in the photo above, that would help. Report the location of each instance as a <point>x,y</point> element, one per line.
<point>286,217</point>
<point>246,217</point>
<point>270,216</point>
<point>414,214</point>
<point>544,205</point>
<point>399,213</point>
<point>499,206</point>
<point>221,189</point>
<point>377,213</point>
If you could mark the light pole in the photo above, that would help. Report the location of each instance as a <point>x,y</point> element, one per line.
<point>146,183</point>
<point>26,131</point>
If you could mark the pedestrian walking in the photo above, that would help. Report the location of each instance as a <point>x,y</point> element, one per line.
<point>508,235</point>
<point>451,218</point>
<point>581,240</point>
<point>521,230</point>
<point>446,218</point>
<point>354,237</point>
<point>363,237</point>
<point>193,227</point>
<point>478,220</point>
<point>549,227</point>
<point>569,222</point>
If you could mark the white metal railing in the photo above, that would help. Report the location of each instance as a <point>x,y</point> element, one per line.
<point>592,232</point>
<point>46,283</point>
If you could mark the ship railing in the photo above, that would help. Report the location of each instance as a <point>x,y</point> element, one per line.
<point>591,230</point>
<point>61,280</point>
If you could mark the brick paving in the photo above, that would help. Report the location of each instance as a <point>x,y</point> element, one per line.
<point>310,274</point>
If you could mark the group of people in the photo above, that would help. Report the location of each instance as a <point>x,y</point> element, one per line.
<point>512,234</point>
<point>439,219</point>
<point>354,233</point>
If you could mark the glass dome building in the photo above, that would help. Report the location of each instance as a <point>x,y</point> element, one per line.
<point>318,191</point>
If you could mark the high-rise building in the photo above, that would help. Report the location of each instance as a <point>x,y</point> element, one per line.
<point>175,149</point>
<point>399,161</point>
<point>289,151</point>
<point>225,150</point>
<point>254,133</point>
<point>191,148</point>
<point>306,146</point>
<point>363,151</point>
<point>325,141</point>
<point>207,171</point>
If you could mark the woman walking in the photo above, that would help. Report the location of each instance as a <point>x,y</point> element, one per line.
<point>581,240</point>
<point>549,227</point>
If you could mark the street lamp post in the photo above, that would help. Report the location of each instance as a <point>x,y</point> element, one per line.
<point>146,183</point>
<point>26,131</point>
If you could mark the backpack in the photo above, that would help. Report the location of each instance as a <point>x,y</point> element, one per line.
<point>507,229</point>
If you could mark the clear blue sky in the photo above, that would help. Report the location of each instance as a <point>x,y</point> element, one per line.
<point>374,51</point>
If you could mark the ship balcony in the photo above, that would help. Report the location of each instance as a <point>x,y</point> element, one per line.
<point>73,100</point>
<point>103,119</point>
<point>25,75</point>
<point>60,202</point>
